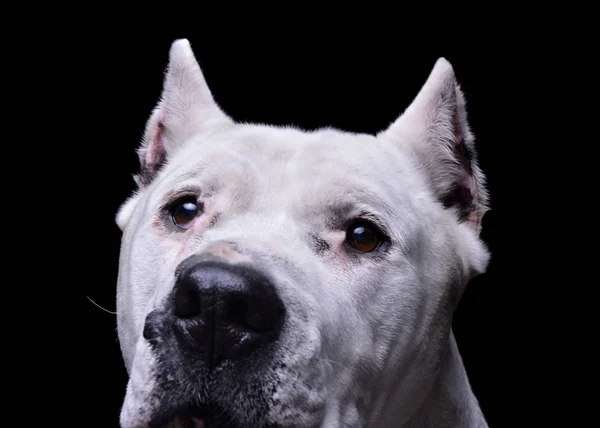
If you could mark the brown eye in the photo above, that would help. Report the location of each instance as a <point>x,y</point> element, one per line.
<point>184,211</point>
<point>363,237</point>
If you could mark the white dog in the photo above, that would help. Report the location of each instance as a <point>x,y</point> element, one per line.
<point>274,277</point>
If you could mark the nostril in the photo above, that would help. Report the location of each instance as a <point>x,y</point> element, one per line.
<point>253,315</point>
<point>237,311</point>
<point>187,300</point>
<point>153,326</point>
<point>262,321</point>
<point>150,332</point>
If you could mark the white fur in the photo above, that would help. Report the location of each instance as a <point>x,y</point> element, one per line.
<point>368,342</point>
<point>126,210</point>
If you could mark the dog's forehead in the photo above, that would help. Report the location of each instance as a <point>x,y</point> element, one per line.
<point>285,156</point>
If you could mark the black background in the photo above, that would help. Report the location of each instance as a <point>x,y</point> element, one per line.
<point>348,79</point>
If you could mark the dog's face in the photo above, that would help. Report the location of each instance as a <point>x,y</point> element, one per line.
<point>275,277</point>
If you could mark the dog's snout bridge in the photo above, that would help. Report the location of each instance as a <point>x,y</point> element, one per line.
<point>227,251</point>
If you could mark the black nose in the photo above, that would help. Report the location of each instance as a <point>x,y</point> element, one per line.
<point>224,311</point>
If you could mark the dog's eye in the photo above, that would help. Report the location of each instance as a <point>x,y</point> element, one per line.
<point>363,236</point>
<point>184,211</point>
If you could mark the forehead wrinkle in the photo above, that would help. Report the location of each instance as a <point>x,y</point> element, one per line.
<point>212,165</point>
<point>343,201</point>
<point>364,199</point>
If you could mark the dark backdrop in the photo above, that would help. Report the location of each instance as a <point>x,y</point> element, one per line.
<point>359,82</point>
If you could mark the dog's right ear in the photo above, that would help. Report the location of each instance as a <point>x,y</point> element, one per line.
<point>186,107</point>
<point>434,128</point>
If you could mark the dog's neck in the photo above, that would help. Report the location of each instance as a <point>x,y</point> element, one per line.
<point>450,403</point>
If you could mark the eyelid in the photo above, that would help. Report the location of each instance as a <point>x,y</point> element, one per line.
<point>186,191</point>
<point>369,217</point>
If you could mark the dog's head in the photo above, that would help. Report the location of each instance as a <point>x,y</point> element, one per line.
<point>271,276</point>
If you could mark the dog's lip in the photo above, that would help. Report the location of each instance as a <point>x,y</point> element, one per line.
<point>185,422</point>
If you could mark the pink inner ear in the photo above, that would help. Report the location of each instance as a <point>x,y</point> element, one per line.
<point>156,149</point>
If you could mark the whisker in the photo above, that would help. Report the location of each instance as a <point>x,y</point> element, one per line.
<point>104,309</point>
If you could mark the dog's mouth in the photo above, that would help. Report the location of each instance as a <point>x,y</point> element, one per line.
<point>186,422</point>
<point>193,417</point>
<point>181,417</point>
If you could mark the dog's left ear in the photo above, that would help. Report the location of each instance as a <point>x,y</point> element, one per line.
<point>186,107</point>
<point>434,128</point>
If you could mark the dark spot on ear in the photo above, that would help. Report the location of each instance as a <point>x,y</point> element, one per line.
<point>149,172</point>
<point>460,197</point>
<point>461,151</point>
<point>464,156</point>
<point>460,193</point>
<point>320,245</point>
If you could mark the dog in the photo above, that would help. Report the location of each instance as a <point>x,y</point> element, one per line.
<point>278,277</point>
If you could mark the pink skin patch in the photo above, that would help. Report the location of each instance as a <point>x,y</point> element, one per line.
<point>336,239</point>
<point>156,149</point>
<point>227,251</point>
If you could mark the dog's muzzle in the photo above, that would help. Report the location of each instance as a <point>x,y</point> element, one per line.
<point>218,311</point>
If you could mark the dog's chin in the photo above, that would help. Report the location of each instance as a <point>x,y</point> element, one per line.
<point>194,417</point>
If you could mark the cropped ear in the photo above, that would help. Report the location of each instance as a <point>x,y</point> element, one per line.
<point>186,107</point>
<point>436,131</point>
